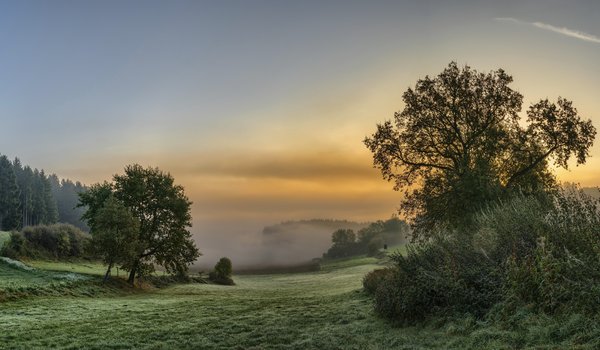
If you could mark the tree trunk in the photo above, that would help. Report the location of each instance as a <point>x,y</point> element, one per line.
<point>107,272</point>
<point>131,278</point>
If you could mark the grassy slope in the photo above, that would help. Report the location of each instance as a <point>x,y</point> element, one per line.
<point>88,268</point>
<point>320,310</point>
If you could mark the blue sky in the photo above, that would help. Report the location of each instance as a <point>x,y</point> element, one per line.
<point>259,107</point>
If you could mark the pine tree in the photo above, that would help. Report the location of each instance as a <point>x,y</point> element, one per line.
<point>9,196</point>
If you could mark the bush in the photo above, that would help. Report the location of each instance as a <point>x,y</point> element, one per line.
<point>15,247</point>
<point>56,241</point>
<point>222,272</point>
<point>440,277</point>
<point>526,252</point>
<point>376,278</point>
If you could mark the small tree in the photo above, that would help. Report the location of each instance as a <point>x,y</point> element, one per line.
<point>115,234</point>
<point>222,272</point>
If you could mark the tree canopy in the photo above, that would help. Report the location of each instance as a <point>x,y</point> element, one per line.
<point>115,237</point>
<point>460,143</point>
<point>29,197</point>
<point>162,211</point>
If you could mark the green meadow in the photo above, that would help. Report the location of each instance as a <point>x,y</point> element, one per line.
<point>317,310</point>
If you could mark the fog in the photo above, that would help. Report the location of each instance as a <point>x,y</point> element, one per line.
<point>244,242</point>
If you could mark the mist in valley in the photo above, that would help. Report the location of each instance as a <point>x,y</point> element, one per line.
<point>256,245</point>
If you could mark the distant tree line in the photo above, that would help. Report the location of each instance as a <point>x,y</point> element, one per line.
<point>29,197</point>
<point>368,240</point>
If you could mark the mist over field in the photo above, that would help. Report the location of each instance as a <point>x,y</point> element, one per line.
<point>251,244</point>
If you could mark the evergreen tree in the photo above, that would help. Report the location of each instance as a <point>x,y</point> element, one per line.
<point>9,196</point>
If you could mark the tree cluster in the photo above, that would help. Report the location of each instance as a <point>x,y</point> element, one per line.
<point>368,240</point>
<point>29,197</point>
<point>139,221</point>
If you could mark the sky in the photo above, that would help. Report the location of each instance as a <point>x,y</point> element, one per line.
<point>259,108</point>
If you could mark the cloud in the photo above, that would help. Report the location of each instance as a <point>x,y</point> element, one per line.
<point>288,165</point>
<point>560,30</point>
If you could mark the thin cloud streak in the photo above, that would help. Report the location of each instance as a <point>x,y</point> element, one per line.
<point>560,30</point>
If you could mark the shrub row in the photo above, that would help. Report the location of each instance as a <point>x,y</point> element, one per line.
<point>56,241</point>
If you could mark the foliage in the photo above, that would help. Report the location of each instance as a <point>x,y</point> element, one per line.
<point>526,252</point>
<point>57,241</point>
<point>4,237</point>
<point>66,195</point>
<point>222,272</point>
<point>9,196</point>
<point>162,211</point>
<point>459,145</point>
<point>115,238</point>
<point>369,240</point>
<point>29,197</point>
<point>376,278</point>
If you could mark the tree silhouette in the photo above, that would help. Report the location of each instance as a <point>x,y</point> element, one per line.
<point>459,143</point>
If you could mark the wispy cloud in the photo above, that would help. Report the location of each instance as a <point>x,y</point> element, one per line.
<point>560,30</point>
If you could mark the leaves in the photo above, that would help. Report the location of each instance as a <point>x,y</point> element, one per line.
<point>162,214</point>
<point>458,145</point>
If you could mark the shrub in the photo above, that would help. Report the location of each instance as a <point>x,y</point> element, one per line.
<point>222,272</point>
<point>534,252</point>
<point>54,241</point>
<point>15,247</point>
<point>376,278</point>
<point>442,276</point>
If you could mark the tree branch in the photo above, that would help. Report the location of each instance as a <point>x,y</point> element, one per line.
<point>530,166</point>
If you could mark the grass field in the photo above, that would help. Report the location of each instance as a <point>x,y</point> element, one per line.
<point>317,310</point>
<point>88,268</point>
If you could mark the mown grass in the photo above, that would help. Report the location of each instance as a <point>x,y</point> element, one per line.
<point>81,267</point>
<point>316,310</point>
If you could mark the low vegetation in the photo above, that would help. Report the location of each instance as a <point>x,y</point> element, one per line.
<point>525,253</point>
<point>317,310</point>
<point>57,241</point>
<point>4,238</point>
<point>222,272</point>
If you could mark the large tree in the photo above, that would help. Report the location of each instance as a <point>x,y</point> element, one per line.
<point>460,143</point>
<point>162,211</point>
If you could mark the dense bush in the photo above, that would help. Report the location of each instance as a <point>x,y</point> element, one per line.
<point>443,276</point>
<point>539,252</point>
<point>222,272</point>
<point>376,278</point>
<point>56,241</point>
